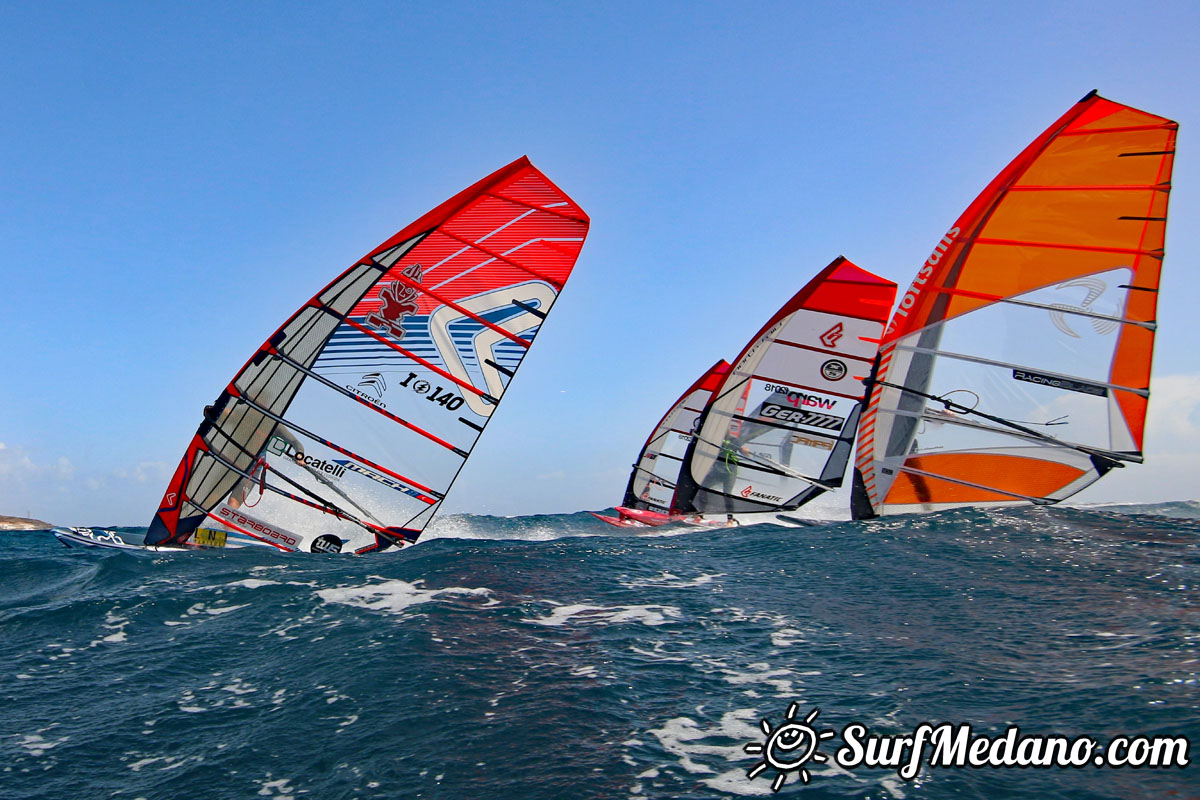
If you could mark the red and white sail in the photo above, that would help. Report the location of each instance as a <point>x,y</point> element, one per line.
<point>780,426</point>
<point>347,427</point>
<point>652,483</point>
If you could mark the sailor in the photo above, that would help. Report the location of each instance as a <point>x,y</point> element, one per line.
<point>728,461</point>
<point>279,440</point>
<point>257,473</point>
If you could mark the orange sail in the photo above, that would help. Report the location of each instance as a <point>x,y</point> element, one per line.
<point>1017,366</point>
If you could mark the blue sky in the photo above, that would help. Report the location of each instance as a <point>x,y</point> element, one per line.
<point>175,179</point>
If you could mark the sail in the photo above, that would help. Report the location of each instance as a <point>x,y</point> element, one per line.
<point>780,427</point>
<point>347,427</point>
<point>1016,368</point>
<point>652,482</point>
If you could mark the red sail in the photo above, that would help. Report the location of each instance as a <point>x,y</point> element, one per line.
<point>779,429</point>
<point>652,483</point>
<point>350,423</point>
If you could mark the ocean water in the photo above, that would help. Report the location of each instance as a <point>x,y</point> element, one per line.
<point>556,657</point>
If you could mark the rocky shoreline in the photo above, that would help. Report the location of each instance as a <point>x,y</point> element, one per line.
<point>22,524</point>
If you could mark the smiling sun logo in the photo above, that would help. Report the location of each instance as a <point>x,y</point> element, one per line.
<point>789,747</point>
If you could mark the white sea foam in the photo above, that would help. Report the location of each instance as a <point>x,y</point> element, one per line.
<point>685,739</point>
<point>239,686</point>
<point>393,596</point>
<point>581,614</point>
<point>280,789</point>
<point>735,781</point>
<point>112,622</point>
<point>667,580</point>
<point>658,654</point>
<point>168,762</point>
<point>36,745</point>
<point>253,583</point>
<point>203,608</point>
<point>762,673</point>
<point>530,529</point>
<point>786,637</point>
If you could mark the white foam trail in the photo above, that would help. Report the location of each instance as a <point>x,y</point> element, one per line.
<point>530,529</point>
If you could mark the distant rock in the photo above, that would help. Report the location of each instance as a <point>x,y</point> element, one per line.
<point>22,524</point>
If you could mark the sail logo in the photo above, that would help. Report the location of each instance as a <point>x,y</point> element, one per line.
<point>1095,288</point>
<point>789,747</point>
<point>833,370</point>
<point>375,383</point>
<point>1059,383</point>
<point>365,396</point>
<point>914,291</point>
<point>327,543</point>
<point>830,337</point>
<point>767,337</point>
<point>797,399</point>
<point>518,315</point>
<point>810,418</point>
<point>280,447</point>
<point>386,481</point>
<point>397,301</point>
<point>241,520</point>
<point>749,492</point>
<point>820,444</point>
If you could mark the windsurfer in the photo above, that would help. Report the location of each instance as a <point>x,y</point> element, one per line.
<point>725,468</point>
<point>291,447</point>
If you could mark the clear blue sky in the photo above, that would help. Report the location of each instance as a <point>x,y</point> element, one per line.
<point>175,179</point>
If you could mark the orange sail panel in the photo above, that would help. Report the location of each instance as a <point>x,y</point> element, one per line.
<point>1017,366</point>
<point>780,426</point>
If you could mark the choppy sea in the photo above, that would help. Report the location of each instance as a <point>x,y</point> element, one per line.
<point>555,657</point>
